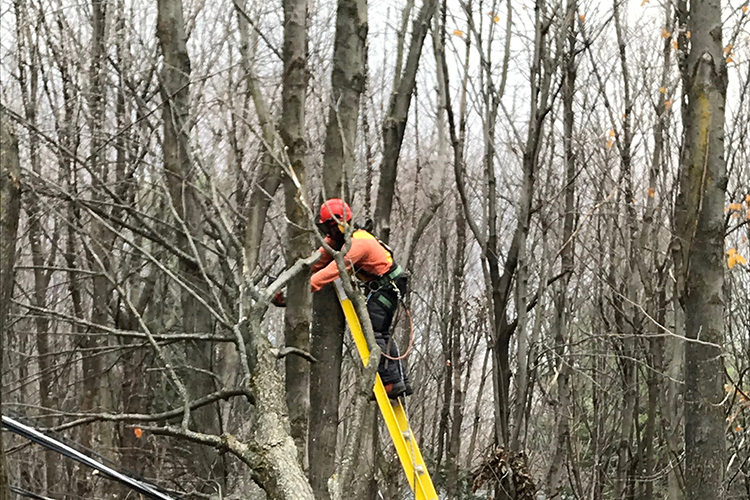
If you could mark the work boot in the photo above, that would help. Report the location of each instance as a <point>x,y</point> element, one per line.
<point>396,390</point>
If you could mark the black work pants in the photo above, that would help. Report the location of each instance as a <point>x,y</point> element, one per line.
<point>381,306</point>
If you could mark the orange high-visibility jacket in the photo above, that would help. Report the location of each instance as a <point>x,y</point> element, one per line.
<point>366,256</point>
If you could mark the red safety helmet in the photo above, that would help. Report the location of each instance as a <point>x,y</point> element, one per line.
<point>336,210</point>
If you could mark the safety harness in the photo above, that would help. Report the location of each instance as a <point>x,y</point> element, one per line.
<point>386,280</point>
<point>372,282</point>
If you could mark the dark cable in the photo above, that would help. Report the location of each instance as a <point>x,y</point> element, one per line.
<point>35,436</point>
<point>27,494</point>
<point>31,422</point>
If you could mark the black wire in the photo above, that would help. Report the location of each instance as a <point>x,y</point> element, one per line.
<point>27,494</point>
<point>31,422</point>
<point>32,434</point>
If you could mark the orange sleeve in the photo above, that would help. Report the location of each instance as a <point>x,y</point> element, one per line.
<point>330,272</point>
<point>325,257</point>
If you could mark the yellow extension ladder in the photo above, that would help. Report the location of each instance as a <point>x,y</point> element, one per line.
<point>393,412</point>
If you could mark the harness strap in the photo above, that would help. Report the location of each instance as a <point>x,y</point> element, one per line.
<point>389,276</point>
<point>385,301</point>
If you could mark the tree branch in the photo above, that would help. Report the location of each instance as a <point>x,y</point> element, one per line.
<point>86,418</point>
<point>285,351</point>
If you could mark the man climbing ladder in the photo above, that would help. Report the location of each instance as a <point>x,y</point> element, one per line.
<point>385,282</point>
<point>373,263</point>
<point>383,279</point>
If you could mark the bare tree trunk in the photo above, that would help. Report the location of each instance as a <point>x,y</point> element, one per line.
<point>180,177</point>
<point>454,359</point>
<point>327,341</point>
<point>68,133</point>
<point>477,413</point>
<point>700,216</point>
<point>562,406</point>
<point>457,330</point>
<point>347,82</point>
<point>652,276</point>
<point>676,408</point>
<point>272,455</point>
<point>501,284</point>
<point>268,178</point>
<point>447,368</point>
<point>394,124</point>
<point>626,456</point>
<point>298,245</point>
<point>365,117</point>
<point>97,394</point>
<point>365,486</point>
<point>29,82</point>
<point>673,410</point>
<point>10,211</point>
<point>133,399</point>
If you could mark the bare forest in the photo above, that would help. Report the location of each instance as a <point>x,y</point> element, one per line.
<point>565,182</point>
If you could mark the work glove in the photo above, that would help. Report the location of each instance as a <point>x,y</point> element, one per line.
<point>279,300</point>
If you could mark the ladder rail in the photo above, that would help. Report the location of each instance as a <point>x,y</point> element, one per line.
<point>393,412</point>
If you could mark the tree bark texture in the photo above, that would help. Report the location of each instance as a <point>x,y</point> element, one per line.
<point>562,410</point>
<point>272,453</point>
<point>631,315</point>
<point>299,299</point>
<point>394,124</point>
<point>97,393</point>
<point>365,483</point>
<point>457,331</point>
<point>10,211</point>
<point>327,342</point>
<point>352,455</point>
<point>180,177</point>
<point>268,178</point>
<point>700,213</point>
<point>654,281</point>
<point>28,79</point>
<point>539,80</point>
<point>447,368</point>
<point>347,84</point>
